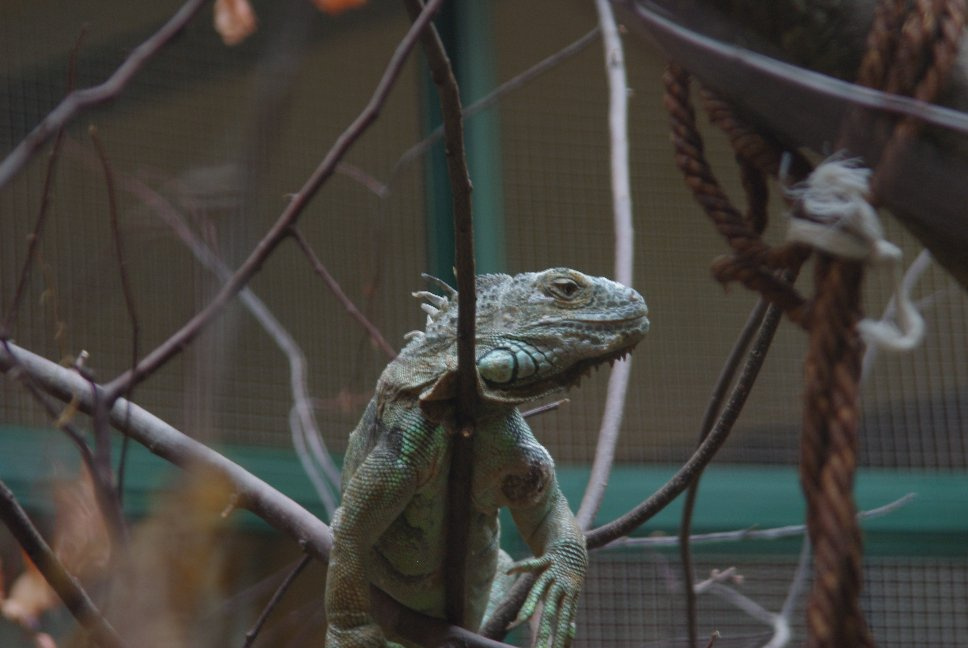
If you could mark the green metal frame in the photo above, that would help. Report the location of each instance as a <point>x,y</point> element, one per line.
<point>732,497</point>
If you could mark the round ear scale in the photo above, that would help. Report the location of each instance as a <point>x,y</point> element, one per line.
<point>498,366</point>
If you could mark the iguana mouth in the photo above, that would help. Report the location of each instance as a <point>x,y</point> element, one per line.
<point>572,376</point>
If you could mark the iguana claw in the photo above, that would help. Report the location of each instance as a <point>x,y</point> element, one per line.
<point>561,573</point>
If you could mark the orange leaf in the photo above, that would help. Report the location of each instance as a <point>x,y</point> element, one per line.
<point>30,596</point>
<point>334,7</point>
<point>234,20</point>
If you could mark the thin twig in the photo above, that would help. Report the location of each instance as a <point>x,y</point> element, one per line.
<point>34,239</point>
<point>341,297</point>
<point>78,100</point>
<point>50,567</point>
<point>782,630</point>
<point>459,475</point>
<point>102,437</point>
<point>618,380</point>
<point>306,435</point>
<point>251,635</point>
<point>280,229</point>
<point>509,86</point>
<point>547,407</point>
<point>779,622</point>
<point>726,375</point>
<point>774,533</point>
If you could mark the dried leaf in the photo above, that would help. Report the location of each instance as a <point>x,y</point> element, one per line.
<point>334,7</point>
<point>44,640</point>
<point>30,596</point>
<point>80,541</point>
<point>80,538</point>
<point>234,20</point>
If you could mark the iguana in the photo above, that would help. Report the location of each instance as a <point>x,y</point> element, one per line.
<point>536,333</point>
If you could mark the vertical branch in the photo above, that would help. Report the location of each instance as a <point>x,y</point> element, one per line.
<point>753,322</point>
<point>459,478</point>
<point>618,381</point>
<point>68,589</point>
<point>34,239</point>
<point>102,436</point>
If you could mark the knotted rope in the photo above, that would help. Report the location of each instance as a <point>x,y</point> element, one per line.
<point>911,48</point>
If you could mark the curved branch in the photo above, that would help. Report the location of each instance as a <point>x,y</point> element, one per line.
<point>707,449</point>
<point>618,380</point>
<point>78,100</point>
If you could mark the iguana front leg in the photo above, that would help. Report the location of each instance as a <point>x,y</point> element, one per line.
<point>550,529</point>
<point>376,494</point>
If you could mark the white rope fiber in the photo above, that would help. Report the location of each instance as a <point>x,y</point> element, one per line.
<point>843,223</point>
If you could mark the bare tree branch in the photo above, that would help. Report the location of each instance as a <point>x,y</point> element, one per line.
<point>34,239</point>
<point>731,366</point>
<point>102,436</point>
<point>618,380</point>
<point>78,100</point>
<point>305,431</point>
<point>251,493</point>
<point>547,407</point>
<point>707,449</point>
<point>253,633</point>
<point>739,535</point>
<point>341,296</point>
<point>184,336</point>
<point>492,98</point>
<point>68,589</point>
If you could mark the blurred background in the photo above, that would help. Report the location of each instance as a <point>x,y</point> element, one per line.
<point>216,138</point>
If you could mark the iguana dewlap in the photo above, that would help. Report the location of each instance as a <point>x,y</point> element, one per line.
<point>537,333</point>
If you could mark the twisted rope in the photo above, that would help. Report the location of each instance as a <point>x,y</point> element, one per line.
<point>753,263</point>
<point>910,50</point>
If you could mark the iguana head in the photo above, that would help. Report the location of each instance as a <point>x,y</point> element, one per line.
<point>536,333</point>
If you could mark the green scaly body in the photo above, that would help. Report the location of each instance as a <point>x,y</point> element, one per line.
<point>536,333</point>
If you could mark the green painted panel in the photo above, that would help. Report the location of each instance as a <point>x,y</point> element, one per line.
<point>732,497</point>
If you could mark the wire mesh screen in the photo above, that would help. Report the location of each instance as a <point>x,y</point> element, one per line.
<point>214,141</point>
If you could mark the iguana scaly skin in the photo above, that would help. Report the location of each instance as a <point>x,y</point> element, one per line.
<point>536,333</point>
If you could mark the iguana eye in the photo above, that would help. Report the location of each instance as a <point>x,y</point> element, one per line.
<point>564,288</point>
